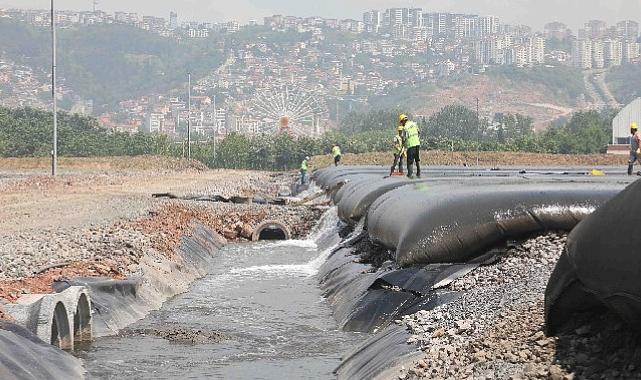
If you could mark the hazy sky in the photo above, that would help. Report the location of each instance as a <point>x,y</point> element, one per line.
<point>531,12</point>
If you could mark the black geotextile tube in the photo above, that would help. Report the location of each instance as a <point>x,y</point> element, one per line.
<point>349,181</point>
<point>329,178</point>
<point>438,224</point>
<point>23,356</point>
<point>359,195</point>
<point>601,265</point>
<point>355,197</point>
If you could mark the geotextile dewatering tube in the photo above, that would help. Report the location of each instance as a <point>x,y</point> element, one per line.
<point>601,265</point>
<point>440,224</point>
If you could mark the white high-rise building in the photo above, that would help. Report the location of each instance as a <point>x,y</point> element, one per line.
<point>598,54</point>
<point>582,53</point>
<point>630,51</point>
<point>416,17</point>
<point>398,16</point>
<point>488,25</point>
<point>373,18</point>
<point>613,52</point>
<point>536,45</point>
<point>628,29</point>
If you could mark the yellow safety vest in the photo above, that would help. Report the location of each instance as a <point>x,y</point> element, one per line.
<point>412,135</point>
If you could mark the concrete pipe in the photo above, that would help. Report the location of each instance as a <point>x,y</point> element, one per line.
<point>82,326</point>
<point>60,329</point>
<point>271,230</point>
<point>60,319</point>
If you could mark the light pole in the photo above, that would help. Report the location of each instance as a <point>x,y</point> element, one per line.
<point>189,116</point>
<point>54,152</point>
<point>215,127</point>
<point>478,136</point>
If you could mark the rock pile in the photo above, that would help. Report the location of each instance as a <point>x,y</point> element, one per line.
<point>495,329</point>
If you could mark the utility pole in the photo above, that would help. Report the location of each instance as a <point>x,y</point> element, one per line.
<point>54,153</point>
<point>478,136</point>
<point>189,116</point>
<point>95,5</point>
<point>215,127</point>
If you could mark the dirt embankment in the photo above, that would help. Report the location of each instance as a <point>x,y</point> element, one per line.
<point>500,96</point>
<point>488,159</point>
<point>96,164</point>
<point>87,224</point>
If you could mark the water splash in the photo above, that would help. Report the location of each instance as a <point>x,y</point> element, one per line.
<point>326,227</point>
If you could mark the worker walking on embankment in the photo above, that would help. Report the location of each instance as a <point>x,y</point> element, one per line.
<point>303,170</point>
<point>635,148</point>
<point>336,152</point>
<point>399,150</point>
<point>413,145</point>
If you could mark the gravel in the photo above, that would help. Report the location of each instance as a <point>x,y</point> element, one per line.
<point>103,225</point>
<point>495,329</point>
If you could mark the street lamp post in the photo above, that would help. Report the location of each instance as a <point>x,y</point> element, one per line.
<point>215,127</point>
<point>54,152</point>
<point>478,135</point>
<point>189,116</point>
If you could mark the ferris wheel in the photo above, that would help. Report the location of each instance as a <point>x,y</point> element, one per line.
<point>288,109</point>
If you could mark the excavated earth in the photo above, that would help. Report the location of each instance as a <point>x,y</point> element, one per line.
<point>84,224</point>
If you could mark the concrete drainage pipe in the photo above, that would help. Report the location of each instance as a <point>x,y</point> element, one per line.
<point>271,230</point>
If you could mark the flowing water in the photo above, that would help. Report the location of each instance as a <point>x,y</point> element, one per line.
<point>264,297</point>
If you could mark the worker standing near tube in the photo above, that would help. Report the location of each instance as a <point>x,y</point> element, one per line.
<point>303,170</point>
<point>635,148</point>
<point>336,152</point>
<point>399,150</point>
<point>413,145</point>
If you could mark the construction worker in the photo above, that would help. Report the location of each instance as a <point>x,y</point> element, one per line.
<point>303,170</point>
<point>412,144</point>
<point>336,152</point>
<point>635,148</point>
<point>399,150</point>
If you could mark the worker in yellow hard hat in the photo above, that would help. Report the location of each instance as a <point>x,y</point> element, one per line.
<point>399,150</point>
<point>635,148</point>
<point>412,144</point>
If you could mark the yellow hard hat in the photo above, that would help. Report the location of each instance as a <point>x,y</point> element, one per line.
<point>402,117</point>
<point>634,126</point>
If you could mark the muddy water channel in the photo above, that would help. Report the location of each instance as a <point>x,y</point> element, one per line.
<point>259,314</point>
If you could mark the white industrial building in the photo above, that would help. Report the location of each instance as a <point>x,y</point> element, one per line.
<point>621,127</point>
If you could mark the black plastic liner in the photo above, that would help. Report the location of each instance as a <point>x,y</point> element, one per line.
<point>23,356</point>
<point>116,303</point>
<point>601,265</point>
<point>365,299</point>
<point>385,350</point>
<point>445,224</point>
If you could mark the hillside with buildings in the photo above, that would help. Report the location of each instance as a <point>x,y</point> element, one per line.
<point>304,75</point>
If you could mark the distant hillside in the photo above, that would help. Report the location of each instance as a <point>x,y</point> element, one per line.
<point>110,63</point>
<point>565,83</point>
<point>625,82</point>
<point>545,94</point>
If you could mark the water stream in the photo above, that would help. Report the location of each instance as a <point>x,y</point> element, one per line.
<point>264,297</point>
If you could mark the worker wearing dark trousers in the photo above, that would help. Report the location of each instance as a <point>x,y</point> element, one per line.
<point>413,144</point>
<point>399,150</point>
<point>635,148</point>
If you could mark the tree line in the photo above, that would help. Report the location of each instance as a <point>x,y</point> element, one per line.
<point>28,132</point>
